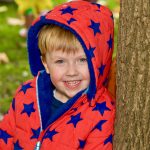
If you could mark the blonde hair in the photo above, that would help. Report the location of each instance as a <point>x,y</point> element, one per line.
<point>55,38</point>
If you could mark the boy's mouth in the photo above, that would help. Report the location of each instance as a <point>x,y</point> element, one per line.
<point>72,84</point>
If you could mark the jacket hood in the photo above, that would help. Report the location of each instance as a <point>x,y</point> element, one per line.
<point>93,26</point>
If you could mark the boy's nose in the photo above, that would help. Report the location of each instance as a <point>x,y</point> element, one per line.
<point>72,70</point>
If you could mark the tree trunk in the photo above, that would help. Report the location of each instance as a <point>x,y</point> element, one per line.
<point>132,128</point>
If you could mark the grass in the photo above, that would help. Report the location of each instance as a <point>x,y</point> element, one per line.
<point>13,73</point>
<point>17,70</point>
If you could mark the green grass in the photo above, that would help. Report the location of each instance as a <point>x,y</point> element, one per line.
<point>112,4</point>
<point>11,74</point>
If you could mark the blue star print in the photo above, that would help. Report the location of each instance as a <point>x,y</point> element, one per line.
<point>36,133</point>
<point>99,125</point>
<point>17,146</point>
<point>50,134</point>
<point>13,104</point>
<point>4,136</point>
<point>28,109</point>
<point>68,10</point>
<point>110,42</point>
<point>75,119</point>
<point>25,87</point>
<point>91,51</point>
<point>98,5</point>
<point>95,27</point>
<point>71,20</point>
<point>109,139</point>
<point>101,107</point>
<point>82,143</point>
<point>101,69</point>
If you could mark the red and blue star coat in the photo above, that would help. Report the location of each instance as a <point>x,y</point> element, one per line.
<point>86,121</point>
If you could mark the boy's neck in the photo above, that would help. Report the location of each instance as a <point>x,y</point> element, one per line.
<point>57,96</point>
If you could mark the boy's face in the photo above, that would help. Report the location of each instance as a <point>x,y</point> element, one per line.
<point>69,72</point>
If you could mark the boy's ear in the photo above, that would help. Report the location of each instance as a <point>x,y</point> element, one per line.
<point>45,64</point>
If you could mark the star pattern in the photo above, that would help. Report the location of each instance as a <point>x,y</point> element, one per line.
<point>36,133</point>
<point>108,140</point>
<point>98,10</point>
<point>25,87</point>
<point>95,27</point>
<point>13,104</point>
<point>71,20</point>
<point>28,109</point>
<point>101,107</point>
<point>68,10</point>
<point>82,143</point>
<point>99,125</point>
<point>91,51</point>
<point>75,119</point>
<point>101,69</point>
<point>110,42</point>
<point>49,134</point>
<point>4,136</point>
<point>17,146</point>
<point>98,5</point>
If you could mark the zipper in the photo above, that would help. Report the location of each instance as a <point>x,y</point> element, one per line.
<point>38,144</point>
<point>37,147</point>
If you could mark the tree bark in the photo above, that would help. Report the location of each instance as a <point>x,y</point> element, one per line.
<point>132,127</point>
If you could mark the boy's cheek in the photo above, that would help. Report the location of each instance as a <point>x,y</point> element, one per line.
<point>55,78</point>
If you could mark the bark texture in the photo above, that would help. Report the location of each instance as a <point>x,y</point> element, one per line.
<point>132,129</point>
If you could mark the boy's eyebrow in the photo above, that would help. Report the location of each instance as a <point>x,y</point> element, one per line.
<point>82,56</point>
<point>59,57</point>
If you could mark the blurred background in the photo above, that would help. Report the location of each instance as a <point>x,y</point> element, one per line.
<point>15,18</point>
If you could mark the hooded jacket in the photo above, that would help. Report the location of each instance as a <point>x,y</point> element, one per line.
<point>86,121</point>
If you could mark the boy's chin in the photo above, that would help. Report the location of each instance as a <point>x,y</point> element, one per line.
<point>64,96</point>
<point>71,94</point>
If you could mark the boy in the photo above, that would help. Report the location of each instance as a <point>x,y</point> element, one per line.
<point>66,106</point>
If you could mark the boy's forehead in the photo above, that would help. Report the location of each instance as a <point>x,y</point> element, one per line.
<point>61,52</point>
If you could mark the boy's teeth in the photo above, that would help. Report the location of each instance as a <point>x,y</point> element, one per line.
<point>72,83</point>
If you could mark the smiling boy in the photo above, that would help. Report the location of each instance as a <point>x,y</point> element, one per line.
<point>66,105</point>
<point>67,65</point>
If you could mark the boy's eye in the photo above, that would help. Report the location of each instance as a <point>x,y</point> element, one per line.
<point>59,61</point>
<point>83,60</point>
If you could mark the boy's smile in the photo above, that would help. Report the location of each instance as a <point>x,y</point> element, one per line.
<point>69,72</point>
<point>72,84</point>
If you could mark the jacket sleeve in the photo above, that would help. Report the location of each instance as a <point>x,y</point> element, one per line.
<point>101,136</point>
<point>7,128</point>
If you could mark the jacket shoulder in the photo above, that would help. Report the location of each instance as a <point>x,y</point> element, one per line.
<point>26,89</point>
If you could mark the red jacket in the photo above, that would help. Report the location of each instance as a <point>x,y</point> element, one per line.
<point>86,121</point>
